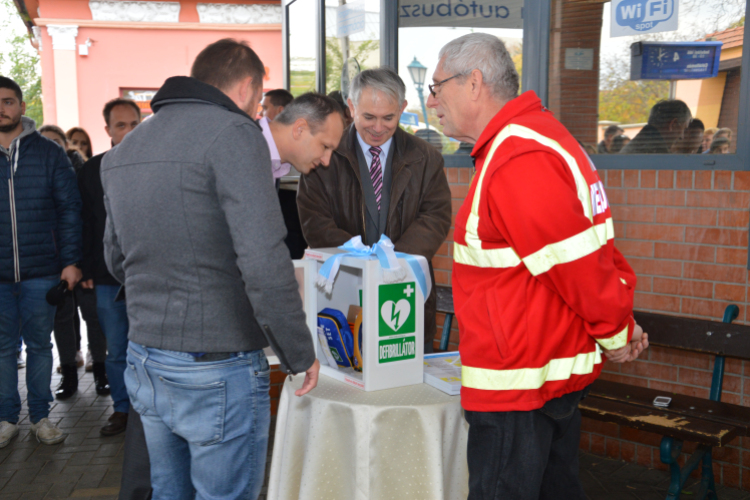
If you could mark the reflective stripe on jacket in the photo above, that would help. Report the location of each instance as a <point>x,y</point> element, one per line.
<point>539,287</point>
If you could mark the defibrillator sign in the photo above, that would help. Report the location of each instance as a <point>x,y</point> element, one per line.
<point>396,304</point>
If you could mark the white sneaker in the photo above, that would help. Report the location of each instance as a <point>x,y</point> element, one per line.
<point>20,361</point>
<point>7,432</point>
<point>47,433</point>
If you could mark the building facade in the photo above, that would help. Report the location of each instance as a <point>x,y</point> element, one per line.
<point>95,50</point>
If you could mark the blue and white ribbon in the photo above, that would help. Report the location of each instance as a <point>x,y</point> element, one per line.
<point>384,251</point>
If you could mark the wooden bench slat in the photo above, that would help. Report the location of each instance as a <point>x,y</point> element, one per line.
<point>662,422</point>
<point>705,409</point>
<point>726,339</point>
<point>445,299</point>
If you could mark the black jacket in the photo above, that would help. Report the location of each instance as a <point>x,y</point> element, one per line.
<point>94,217</point>
<point>40,224</point>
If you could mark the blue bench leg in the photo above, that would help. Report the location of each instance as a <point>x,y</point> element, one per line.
<point>670,452</point>
<point>707,478</point>
<point>446,332</point>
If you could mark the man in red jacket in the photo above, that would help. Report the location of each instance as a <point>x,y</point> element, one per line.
<point>539,288</point>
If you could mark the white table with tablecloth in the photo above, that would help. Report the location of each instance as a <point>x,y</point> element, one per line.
<point>341,443</point>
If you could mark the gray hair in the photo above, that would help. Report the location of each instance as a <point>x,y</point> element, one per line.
<point>382,79</point>
<point>314,108</point>
<point>488,54</point>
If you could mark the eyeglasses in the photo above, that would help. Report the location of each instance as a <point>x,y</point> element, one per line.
<point>438,84</point>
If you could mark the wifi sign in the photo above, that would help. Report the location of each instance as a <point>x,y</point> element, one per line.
<point>634,17</point>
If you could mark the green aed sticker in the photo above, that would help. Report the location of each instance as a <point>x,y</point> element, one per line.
<point>397,349</point>
<point>396,304</point>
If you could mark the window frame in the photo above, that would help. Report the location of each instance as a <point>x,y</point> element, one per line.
<point>536,36</point>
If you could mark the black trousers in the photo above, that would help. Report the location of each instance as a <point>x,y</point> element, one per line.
<point>136,466</point>
<point>526,455</point>
<point>68,327</point>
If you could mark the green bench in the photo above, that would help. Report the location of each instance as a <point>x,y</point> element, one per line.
<point>707,422</point>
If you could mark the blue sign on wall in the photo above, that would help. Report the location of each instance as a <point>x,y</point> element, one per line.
<point>408,118</point>
<point>674,60</point>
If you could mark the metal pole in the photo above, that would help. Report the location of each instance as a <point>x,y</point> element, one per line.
<point>424,108</point>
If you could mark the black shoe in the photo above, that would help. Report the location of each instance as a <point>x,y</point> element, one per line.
<point>100,379</point>
<point>69,383</point>
<point>117,423</point>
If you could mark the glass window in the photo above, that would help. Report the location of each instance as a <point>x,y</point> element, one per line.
<point>427,25</point>
<point>352,41</point>
<point>302,56</point>
<point>647,76</point>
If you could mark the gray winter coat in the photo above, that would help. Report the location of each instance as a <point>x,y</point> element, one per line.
<point>195,233</point>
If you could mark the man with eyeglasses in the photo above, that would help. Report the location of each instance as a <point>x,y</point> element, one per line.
<point>538,286</point>
<point>381,180</point>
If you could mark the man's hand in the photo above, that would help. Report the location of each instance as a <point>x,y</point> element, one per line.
<point>311,379</point>
<point>638,343</point>
<point>72,275</point>
<point>88,284</point>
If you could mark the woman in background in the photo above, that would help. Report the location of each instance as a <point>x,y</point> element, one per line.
<point>79,139</point>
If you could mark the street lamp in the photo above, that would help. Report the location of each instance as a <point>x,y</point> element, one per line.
<point>418,72</point>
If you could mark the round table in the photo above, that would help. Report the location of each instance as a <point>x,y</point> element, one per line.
<point>341,443</point>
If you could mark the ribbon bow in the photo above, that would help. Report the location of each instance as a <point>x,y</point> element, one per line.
<point>384,251</point>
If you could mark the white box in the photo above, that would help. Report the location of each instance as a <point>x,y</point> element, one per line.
<point>385,333</point>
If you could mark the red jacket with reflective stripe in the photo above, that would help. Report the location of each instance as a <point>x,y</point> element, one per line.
<point>538,285</point>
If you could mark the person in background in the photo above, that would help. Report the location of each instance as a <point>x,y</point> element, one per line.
<point>194,232</point>
<point>67,322</point>
<point>382,181</point>
<point>605,146</point>
<point>666,125</point>
<point>692,140</point>
<point>55,133</point>
<point>339,98</point>
<point>121,116</point>
<point>708,136</point>
<point>618,143</point>
<point>720,145</point>
<point>538,285</point>
<point>79,139</point>
<point>40,246</point>
<point>274,102</point>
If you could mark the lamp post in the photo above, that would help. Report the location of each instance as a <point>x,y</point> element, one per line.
<point>418,72</point>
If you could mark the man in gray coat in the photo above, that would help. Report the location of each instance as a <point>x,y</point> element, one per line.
<point>195,233</point>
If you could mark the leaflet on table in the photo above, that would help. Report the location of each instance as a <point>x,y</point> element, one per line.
<point>443,371</point>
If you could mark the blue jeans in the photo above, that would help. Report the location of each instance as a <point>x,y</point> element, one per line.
<point>206,422</point>
<point>113,318</point>
<point>24,311</point>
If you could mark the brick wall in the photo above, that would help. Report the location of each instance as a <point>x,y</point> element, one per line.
<point>574,94</point>
<point>686,236</point>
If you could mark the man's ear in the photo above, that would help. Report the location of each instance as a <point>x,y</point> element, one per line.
<point>23,108</point>
<point>106,129</point>
<point>403,108</point>
<point>476,79</point>
<point>299,127</point>
<point>351,106</point>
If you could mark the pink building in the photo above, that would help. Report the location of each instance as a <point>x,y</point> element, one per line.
<point>96,50</point>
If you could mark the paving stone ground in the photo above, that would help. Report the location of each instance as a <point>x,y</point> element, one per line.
<point>88,466</point>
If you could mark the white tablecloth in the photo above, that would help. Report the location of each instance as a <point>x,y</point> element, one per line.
<point>341,443</point>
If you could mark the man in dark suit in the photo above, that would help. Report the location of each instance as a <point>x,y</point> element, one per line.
<point>381,180</point>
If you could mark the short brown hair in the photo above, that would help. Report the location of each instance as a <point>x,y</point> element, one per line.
<point>280,97</point>
<point>313,107</point>
<point>107,111</point>
<point>224,63</point>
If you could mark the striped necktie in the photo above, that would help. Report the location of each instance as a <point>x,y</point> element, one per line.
<point>376,174</point>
